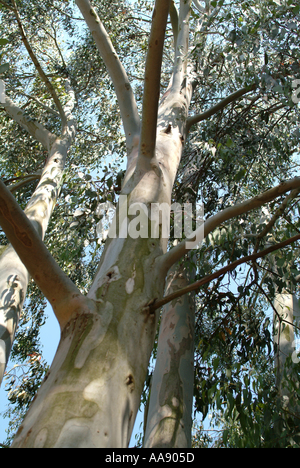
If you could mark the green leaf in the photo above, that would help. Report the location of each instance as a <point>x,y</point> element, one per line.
<point>229,143</point>
<point>280,262</point>
<point>3,42</point>
<point>4,67</point>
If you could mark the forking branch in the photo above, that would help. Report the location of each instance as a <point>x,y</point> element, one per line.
<point>223,103</point>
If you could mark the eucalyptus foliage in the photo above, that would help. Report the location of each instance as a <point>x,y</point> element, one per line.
<point>236,152</point>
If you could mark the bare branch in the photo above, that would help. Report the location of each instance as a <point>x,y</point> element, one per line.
<point>9,7</point>
<point>213,110</point>
<point>152,78</point>
<point>199,7</point>
<point>177,252</point>
<point>128,107</point>
<point>52,281</point>
<point>222,271</point>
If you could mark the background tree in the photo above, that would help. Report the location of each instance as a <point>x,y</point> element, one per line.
<point>229,108</point>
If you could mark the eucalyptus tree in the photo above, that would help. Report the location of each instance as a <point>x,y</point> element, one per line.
<point>231,67</point>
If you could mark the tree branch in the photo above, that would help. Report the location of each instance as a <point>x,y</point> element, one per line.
<point>38,65</point>
<point>174,21</point>
<point>33,127</point>
<point>9,7</point>
<point>213,110</point>
<point>33,98</point>
<point>199,7</point>
<point>177,252</point>
<point>152,78</point>
<point>126,100</point>
<point>182,47</point>
<point>222,271</point>
<point>47,274</point>
<point>25,180</point>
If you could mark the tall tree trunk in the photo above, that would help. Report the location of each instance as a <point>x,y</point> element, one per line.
<point>169,418</point>
<point>91,395</point>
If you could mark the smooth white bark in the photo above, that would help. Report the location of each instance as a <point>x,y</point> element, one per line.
<point>33,127</point>
<point>126,100</point>
<point>14,276</point>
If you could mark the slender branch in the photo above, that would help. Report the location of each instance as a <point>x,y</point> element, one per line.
<point>33,127</point>
<point>38,65</point>
<point>222,271</point>
<point>213,110</point>
<point>33,98</point>
<point>26,180</point>
<point>174,21</point>
<point>152,78</point>
<point>9,7</point>
<point>47,274</point>
<point>199,7</point>
<point>126,100</point>
<point>57,46</point>
<point>177,252</point>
